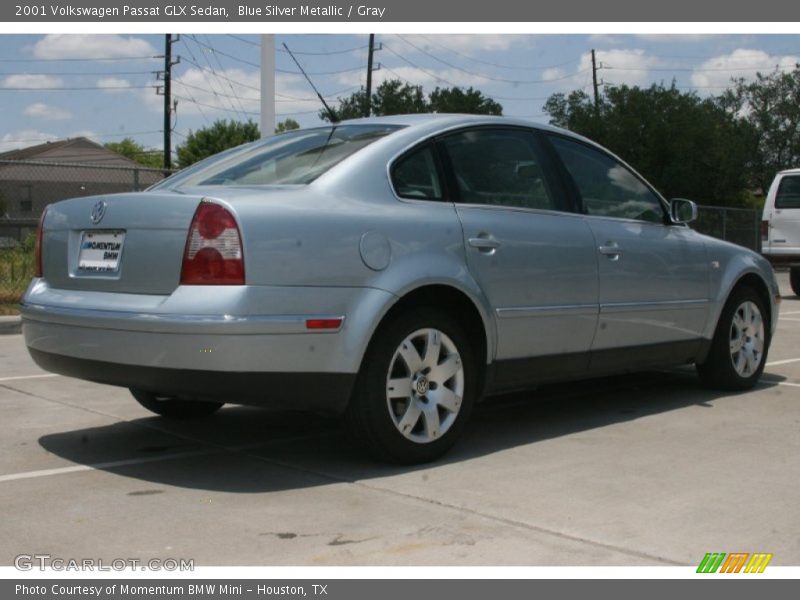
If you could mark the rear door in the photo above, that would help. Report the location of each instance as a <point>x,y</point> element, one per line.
<point>784,230</point>
<point>653,275</point>
<point>532,256</point>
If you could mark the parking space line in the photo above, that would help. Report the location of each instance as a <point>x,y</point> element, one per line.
<point>217,449</point>
<point>789,319</point>
<point>106,465</point>
<point>790,312</point>
<point>782,362</point>
<point>18,377</point>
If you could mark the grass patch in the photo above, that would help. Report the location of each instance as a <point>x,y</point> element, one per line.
<point>16,270</point>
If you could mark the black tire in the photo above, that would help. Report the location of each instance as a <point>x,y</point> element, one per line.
<point>173,408</point>
<point>368,415</point>
<point>718,370</point>
<point>794,280</point>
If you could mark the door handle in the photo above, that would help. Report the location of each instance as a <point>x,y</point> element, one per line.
<point>611,250</point>
<point>484,243</point>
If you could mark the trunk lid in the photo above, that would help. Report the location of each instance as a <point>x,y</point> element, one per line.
<point>149,227</point>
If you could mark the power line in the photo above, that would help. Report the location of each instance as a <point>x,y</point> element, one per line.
<point>302,53</point>
<point>84,73</point>
<point>494,64</point>
<point>725,70</point>
<point>487,77</point>
<point>93,59</point>
<point>219,64</point>
<point>73,89</point>
<point>213,71</point>
<point>225,54</point>
<point>247,112</point>
<point>94,135</point>
<point>481,75</point>
<point>220,75</point>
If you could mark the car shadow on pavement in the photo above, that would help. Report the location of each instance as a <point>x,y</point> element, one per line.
<point>249,450</point>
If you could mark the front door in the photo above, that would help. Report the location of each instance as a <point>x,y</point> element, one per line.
<point>654,289</point>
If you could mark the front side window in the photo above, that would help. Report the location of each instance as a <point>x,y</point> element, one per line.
<point>500,167</point>
<point>788,193</point>
<point>607,187</point>
<point>415,175</point>
<point>296,157</point>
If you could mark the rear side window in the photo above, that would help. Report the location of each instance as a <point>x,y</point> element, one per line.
<point>297,157</point>
<point>607,187</point>
<point>500,167</point>
<point>788,193</point>
<point>415,176</point>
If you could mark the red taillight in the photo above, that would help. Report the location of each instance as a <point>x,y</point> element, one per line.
<point>37,251</point>
<point>213,254</point>
<point>765,230</point>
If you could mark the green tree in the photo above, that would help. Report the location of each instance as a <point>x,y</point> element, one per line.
<point>287,125</point>
<point>771,106</point>
<point>458,100</point>
<point>683,144</point>
<point>129,148</point>
<point>395,97</point>
<point>223,134</point>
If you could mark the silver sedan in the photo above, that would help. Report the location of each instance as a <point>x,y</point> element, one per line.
<point>394,269</point>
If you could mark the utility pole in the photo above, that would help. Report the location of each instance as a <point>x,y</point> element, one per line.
<point>166,91</point>
<point>594,82</point>
<point>168,101</point>
<point>368,107</point>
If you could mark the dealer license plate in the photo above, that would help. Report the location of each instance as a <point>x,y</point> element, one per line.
<point>100,251</point>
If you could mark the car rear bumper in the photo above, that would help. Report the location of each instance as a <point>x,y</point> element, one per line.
<point>186,343</point>
<point>326,393</point>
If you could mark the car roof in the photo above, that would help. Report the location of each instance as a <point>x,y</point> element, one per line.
<point>449,120</point>
<point>789,171</point>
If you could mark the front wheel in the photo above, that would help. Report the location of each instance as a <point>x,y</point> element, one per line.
<point>416,388</point>
<point>174,408</point>
<point>794,280</point>
<point>739,348</point>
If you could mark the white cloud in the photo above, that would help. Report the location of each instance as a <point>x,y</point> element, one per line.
<point>719,71</point>
<point>24,138</point>
<point>91,46</point>
<point>552,73</point>
<point>621,66</point>
<point>40,110</point>
<point>25,80</point>
<point>471,44</point>
<point>113,85</point>
<point>676,37</point>
<point>228,92</point>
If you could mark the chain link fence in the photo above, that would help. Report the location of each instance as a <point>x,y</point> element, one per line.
<point>28,186</point>
<point>737,225</point>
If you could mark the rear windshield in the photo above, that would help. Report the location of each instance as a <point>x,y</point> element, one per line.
<point>788,193</point>
<point>296,157</point>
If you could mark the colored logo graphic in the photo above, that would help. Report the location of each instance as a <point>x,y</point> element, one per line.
<point>736,562</point>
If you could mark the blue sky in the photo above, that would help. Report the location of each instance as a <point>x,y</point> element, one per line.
<point>47,92</point>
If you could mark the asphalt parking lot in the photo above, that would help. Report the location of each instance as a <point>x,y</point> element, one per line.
<point>649,469</point>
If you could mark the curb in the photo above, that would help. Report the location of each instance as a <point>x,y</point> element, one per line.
<point>10,325</point>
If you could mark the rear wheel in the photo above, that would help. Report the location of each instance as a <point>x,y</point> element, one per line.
<point>416,388</point>
<point>794,279</point>
<point>174,408</point>
<point>739,348</point>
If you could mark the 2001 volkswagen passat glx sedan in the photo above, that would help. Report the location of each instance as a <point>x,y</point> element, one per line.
<point>396,269</point>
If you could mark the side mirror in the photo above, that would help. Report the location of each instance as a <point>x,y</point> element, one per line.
<point>682,210</point>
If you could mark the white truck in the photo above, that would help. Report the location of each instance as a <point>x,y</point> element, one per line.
<point>780,225</point>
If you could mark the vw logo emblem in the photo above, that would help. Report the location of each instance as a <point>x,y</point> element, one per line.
<point>98,212</point>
